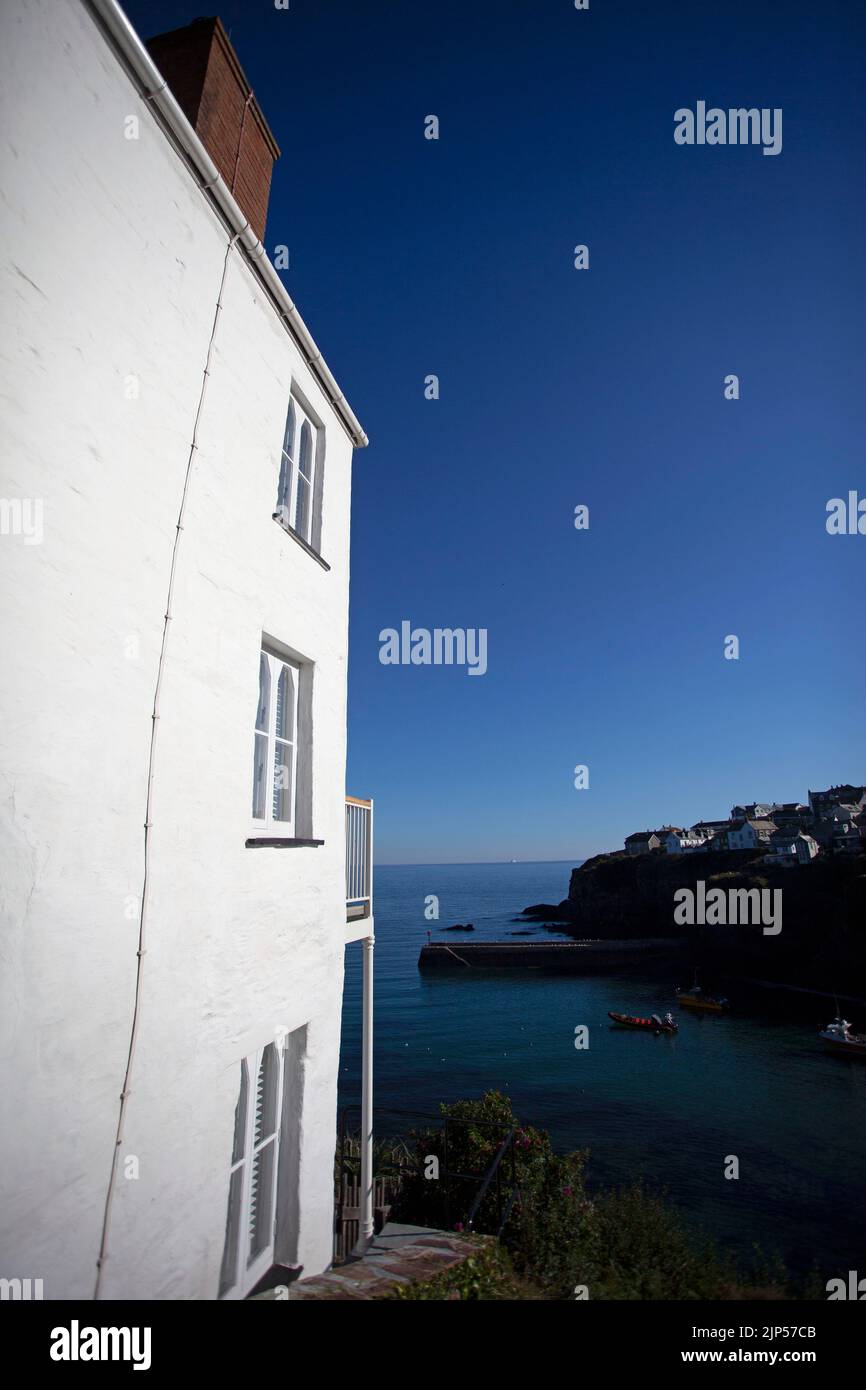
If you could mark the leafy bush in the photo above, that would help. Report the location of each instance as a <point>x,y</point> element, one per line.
<point>635,1246</point>
<point>552,1231</point>
<point>627,1243</point>
<point>476,1129</point>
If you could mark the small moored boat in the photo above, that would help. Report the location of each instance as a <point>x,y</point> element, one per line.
<point>839,1037</point>
<point>695,998</point>
<point>653,1024</point>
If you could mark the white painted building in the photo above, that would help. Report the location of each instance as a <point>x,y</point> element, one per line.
<point>163,400</point>
<point>682,841</point>
<point>750,834</point>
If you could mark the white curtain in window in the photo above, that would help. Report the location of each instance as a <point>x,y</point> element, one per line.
<point>275,742</point>
<point>295,490</point>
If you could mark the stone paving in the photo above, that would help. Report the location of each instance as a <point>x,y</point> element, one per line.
<point>399,1255</point>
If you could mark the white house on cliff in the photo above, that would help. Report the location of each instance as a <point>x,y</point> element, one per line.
<point>177,851</point>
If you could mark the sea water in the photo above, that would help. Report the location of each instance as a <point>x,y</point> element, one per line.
<point>756,1083</point>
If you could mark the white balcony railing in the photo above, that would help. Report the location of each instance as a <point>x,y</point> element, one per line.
<point>359,858</point>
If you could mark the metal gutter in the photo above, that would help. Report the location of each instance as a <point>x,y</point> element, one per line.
<point>128,46</point>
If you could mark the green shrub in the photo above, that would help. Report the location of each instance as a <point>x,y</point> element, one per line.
<point>478,1128</point>
<point>628,1243</point>
<point>640,1249</point>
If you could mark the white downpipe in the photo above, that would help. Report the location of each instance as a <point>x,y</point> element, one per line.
<point>365,1225</point>
<point>126,42</point>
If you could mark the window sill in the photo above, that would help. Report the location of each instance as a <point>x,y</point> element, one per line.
<point>305,545</point>
<point>279,842</point>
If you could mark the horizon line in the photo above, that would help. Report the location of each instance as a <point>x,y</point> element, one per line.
<point>465,863</point>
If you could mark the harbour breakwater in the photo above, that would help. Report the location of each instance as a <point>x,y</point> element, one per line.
<point>561,957</point>
<point>632,897</point>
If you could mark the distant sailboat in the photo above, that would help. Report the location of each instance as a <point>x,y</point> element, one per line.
<point>838,1035</point>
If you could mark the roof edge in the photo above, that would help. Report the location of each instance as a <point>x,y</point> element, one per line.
<point>132,53</point>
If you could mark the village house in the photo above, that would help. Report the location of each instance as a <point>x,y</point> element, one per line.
<point>822,802</point>
<point>790,831</point>
<point>641,842</point>
<point>749,834</point>
<point>790,815</point>
<point>753,810</point>
<point>716,844</point>
<point>838,832</point>
<point>708,830</point>
<point>182,870</point>
<point>791,847</point>
<point>682,841</point>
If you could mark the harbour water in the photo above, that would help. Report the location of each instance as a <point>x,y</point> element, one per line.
<point>756,1084</point>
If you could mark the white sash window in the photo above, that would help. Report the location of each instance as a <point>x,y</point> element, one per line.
<point>296,490</point>
<point>248,1252</point>
<point>275,754</point>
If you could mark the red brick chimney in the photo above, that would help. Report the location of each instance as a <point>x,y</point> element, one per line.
<point>208,83</point>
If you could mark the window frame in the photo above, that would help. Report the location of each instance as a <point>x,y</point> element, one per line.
<point>276,663</point>
<point>249,1268</point>
<point>291,474</point>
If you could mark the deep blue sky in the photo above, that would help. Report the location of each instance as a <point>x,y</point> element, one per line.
<point>604,387</point>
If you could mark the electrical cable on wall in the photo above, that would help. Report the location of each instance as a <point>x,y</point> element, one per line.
<point>148,823</point>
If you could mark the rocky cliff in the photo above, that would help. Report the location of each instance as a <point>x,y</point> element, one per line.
<point>822,943</point>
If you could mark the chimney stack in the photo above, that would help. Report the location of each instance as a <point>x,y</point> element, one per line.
<point>208,83</point>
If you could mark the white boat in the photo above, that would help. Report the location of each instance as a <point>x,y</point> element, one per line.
<point>838,1035</point>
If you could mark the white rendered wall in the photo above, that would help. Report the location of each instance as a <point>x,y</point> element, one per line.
<point>111,264</point>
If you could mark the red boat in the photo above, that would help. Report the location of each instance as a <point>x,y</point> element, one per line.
<point>654,1024</point>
